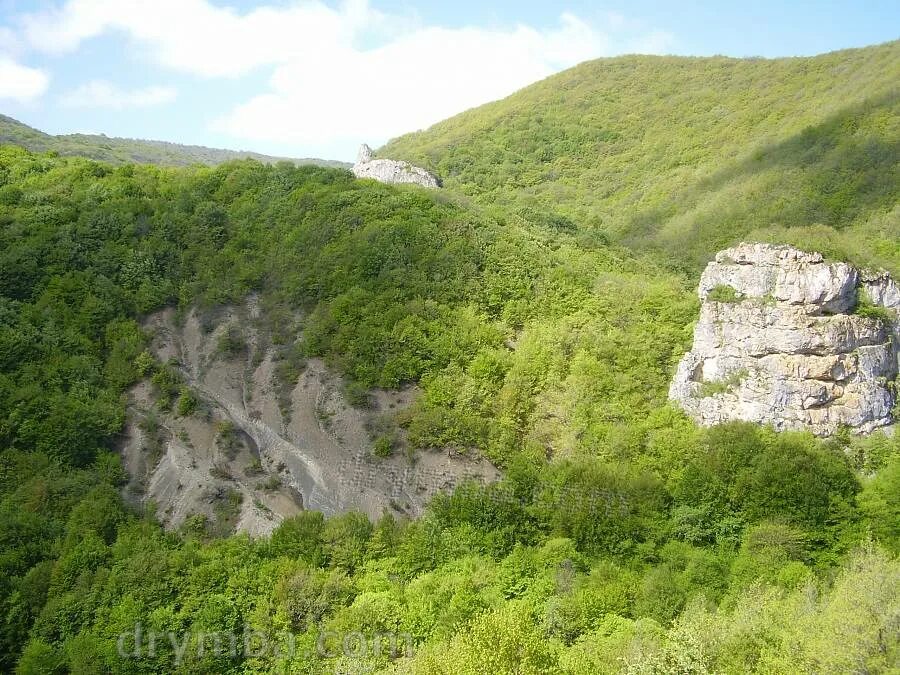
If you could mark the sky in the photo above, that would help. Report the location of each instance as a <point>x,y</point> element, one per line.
<point>316,78</point>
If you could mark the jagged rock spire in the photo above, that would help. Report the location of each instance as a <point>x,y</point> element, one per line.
<point>364,155</point>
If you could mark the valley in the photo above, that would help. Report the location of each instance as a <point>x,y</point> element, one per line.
<point>474,405</point>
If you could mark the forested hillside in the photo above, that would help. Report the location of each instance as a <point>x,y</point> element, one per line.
<point>542,332</point>
<point>123,150</point>
<point>686,156</point>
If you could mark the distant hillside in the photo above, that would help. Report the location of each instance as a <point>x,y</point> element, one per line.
<point>685,156</point>
<point>121,150</point>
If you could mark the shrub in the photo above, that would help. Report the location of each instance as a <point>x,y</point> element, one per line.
<point>187,403</point>
<point>167,384</point>
<point>228,439</point>
<point>383,447</point>
<point>865,308</point>
<point>724,293</point>
<point>254,468</point>
<point>271,483</point>
<point>357,395</point>
<point>232,342</point>
<point>300,537</point>
<point>724,385</point>
<point>143,363</point>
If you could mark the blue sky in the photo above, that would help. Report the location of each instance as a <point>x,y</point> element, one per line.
<point>317,77</point>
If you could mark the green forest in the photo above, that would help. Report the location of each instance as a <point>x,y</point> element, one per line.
<point>685,156</point>
<point>541,302</point>
<point>125,150</point>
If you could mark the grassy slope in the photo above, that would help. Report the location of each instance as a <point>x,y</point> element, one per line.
<point>685,156</point>
<point>123,150</point>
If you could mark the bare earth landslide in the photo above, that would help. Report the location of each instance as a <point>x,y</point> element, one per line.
<point>315,454</point>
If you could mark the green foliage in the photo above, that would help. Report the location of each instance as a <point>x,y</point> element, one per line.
<point>621,537</point>
<point>607,590</point>
<point>345,538</point>
<point>874,312</point>
<point>126,360</point>
<point>835,629</point>
<point>757,474</point>
<point>232,342</point>
<point>125,150</point>
<point>357,395</point>
<point>399,286</point>
<point>865,308</point>
<point>226,510</point>
<point>230,440</point>
<point>602,507</point>
<point>309,595</point>
<point>40,658</point>
<point>143,363</point>
<point>186,404</point>
<point>879,500</point>
<point>383,447</point>
<point>300,537</point>
<point>724,293</point>
<point>167,384</point>
<point>723,386</point>
<point>685,157</point>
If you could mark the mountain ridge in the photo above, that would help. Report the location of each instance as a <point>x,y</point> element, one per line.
<point>118,150</point>
<point>686,156</point>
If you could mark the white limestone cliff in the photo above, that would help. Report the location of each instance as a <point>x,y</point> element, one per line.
<point>391,171</point>
<point>780,341</point>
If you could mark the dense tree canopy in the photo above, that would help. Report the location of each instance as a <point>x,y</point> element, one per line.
<point>685,157</point>
<point>621,537</point>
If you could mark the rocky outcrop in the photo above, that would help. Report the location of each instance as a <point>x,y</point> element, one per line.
<point>391,171</point>
<point>788,339</point>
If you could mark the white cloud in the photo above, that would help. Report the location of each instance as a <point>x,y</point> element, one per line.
<point>407,84</point>
<point>338,75</point>
<point>21,83</point>
<point>101,94</point>
<point>194,36</point>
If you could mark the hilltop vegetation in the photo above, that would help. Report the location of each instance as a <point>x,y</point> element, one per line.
<point>542,349</point>
<point>124,150</point>
<point>687,156</point>
<point>622,537</point>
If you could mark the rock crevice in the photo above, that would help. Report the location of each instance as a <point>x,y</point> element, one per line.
<point>783,339</point>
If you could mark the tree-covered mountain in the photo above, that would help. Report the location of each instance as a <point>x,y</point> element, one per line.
<point>123,150</point>
<point>687,156</point>
<point>538,330</point>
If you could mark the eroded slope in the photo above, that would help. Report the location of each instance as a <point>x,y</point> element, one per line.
<point>258,449</point>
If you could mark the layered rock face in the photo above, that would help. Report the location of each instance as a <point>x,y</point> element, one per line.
<point>391,171</point>
<point>783,340</point>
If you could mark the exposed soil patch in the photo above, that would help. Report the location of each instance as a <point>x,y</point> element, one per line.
<point>257,449</point>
